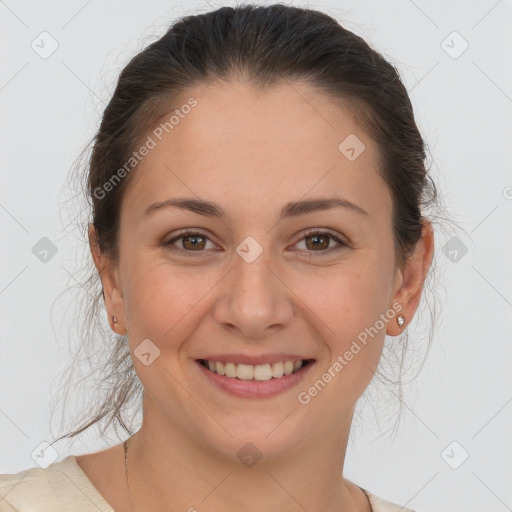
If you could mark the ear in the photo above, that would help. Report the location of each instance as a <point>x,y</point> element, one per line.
<point>111,283</point>
<point>410,280</point>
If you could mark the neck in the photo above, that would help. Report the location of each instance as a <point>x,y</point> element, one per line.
<point>183,475</point>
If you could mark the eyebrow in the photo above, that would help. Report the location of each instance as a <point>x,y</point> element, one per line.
<point>293,209</point>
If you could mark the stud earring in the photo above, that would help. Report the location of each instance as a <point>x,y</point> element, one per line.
<point>400,320</point>
<point>114,319</point>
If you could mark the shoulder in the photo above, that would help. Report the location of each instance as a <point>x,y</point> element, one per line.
<point>60,487</point>
<point>380,505</point>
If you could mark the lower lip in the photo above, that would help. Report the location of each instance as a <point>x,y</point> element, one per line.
<point>256,388</point>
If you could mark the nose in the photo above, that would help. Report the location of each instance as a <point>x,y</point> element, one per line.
<point>253,300</point>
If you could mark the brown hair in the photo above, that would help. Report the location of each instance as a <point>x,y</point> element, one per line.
<point>263,45</point>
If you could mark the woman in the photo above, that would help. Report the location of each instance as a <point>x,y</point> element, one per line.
<point>257,188</point>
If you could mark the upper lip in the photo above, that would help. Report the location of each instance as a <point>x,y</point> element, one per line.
<point>253,360</point>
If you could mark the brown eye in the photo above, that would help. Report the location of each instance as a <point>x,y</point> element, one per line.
<point>191,241</point>
<point>319,241</point>
<point>315,242</point>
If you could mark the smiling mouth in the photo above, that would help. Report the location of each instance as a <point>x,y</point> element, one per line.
<point>260,372</point>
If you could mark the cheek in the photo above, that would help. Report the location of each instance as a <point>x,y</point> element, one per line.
<point>350,295</point>
<point>164,301</point>
<point>349,304</point>
<point>346,307</point>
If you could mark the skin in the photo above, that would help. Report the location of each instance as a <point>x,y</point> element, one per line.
<point>251,152</point>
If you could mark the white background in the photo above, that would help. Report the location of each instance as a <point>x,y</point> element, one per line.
<point>50,109</point>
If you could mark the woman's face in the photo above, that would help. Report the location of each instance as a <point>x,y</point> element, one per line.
<point>253,285</point>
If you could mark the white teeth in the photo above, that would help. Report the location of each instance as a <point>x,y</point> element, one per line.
<point>277,370</point>
<point>230,369</point>
<point>261,372</point>
<point>288,367</point>
<point>219,368</point>
<point>244,371</point>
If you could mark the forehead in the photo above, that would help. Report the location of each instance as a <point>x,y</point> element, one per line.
<point>250,148</point>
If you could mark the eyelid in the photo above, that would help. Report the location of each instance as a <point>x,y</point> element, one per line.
<point>341,243</point>
<point>189,232</point>
<point>322,231</point>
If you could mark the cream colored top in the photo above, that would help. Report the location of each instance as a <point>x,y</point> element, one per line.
<point>64,487</point>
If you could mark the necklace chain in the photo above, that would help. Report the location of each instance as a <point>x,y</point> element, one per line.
<point>125,444</point>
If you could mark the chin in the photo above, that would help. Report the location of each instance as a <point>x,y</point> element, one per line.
<point>259,441</point>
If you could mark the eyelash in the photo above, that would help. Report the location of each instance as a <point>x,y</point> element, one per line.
<point>189,233</point>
